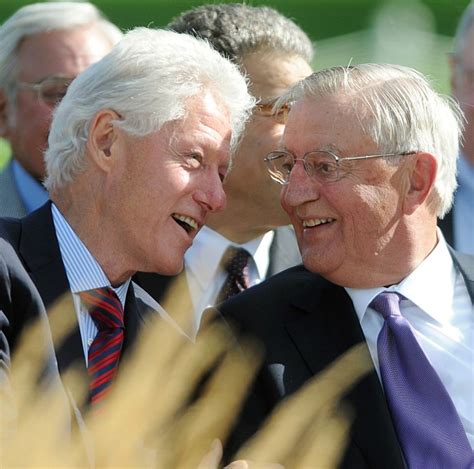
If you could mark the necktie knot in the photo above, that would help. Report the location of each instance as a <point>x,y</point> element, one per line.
<point>104,307</point>
<point>235,263</point>
<point>387,304</point>
<point>235,260</point>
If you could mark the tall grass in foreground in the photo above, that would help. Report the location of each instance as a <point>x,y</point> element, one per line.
<point>148,420</point>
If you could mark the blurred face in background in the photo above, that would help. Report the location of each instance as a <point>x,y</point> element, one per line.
<point>462,84</point>
<point>249,182</point>
<point>53,59</point>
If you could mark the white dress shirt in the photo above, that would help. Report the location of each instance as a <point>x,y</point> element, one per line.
<point>440,311</point>
<point>204,274</point>
<point>83,273</point>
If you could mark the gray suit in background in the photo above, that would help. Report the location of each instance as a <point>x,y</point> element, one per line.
<point>11,204</point>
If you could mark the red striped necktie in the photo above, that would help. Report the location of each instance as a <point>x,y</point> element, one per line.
<point>106,311</point>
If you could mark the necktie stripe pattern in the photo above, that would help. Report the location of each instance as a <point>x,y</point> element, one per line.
<point>428,426</point>
<point>106,311</point>
<point>235,263</point>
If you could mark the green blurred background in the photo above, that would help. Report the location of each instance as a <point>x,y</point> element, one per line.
<point>417,33</point>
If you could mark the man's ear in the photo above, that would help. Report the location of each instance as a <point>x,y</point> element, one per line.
<point>421,181</point>
<point>102,135</point>
<point>3,114</point>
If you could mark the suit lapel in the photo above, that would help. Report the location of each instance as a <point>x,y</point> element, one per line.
<point>39,250</point>
<point>327,328</point>
<point>135,313</point>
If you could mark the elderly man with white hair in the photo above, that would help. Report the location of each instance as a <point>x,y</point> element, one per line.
<point>367,163</point>
<point>138,150</point>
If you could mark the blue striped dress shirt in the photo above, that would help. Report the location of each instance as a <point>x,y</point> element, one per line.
<point>83,273</point>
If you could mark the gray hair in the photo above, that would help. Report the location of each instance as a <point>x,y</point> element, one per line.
<point>464,27</point>
<point>398,108</point>
<point>236,30</point>
<point>41,18</point>
<point>146,79</point>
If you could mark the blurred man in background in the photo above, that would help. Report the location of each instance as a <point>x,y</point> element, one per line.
<point>248,241</point>
<point>458,225</point>
<point>44,46</point>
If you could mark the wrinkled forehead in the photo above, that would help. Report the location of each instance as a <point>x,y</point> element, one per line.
<point>62,52</point>
<point>205,121</point>
<point>324,122</point>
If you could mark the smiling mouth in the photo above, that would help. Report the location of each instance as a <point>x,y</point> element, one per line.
<point>187,223</point>
<point>317,222</point>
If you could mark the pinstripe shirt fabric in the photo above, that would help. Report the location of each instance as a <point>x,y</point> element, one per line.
<point>83,273</point>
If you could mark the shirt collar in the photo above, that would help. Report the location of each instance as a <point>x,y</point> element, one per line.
<point>82,269</point>
<point>437,270</point>
<point>32,193</point>
<point>206,252</point>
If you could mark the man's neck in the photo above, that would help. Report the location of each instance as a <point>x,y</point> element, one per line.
<point>85,218</point>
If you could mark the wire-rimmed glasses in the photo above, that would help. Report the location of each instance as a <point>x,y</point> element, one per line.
<point>321,165</point>
<point>50,90</point>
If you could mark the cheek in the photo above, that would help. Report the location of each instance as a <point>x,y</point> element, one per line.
<point>283,203</point>
<point>264,135</point>
<point>33,125</point>
<point>374,212</point>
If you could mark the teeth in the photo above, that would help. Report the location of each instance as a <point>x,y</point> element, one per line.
<point>191,222</point>
<point>316,222</point>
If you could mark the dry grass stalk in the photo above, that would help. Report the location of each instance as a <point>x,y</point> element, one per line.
<point>285,429</point>
<point>148,420</point>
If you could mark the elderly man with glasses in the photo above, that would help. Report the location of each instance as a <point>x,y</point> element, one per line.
<point>366,164</point>
<point>44,46</point>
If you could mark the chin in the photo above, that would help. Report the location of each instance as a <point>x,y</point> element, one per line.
<point>165,266</point>
<point>173,268</point>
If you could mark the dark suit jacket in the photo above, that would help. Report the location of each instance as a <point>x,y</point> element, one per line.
<point>305,323</point>
<point>284,253</point>
<point>34,240</point>
<point>21,305</point>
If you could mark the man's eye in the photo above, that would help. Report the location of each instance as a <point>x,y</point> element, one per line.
<point>194,160</point>
<point>325,168</point>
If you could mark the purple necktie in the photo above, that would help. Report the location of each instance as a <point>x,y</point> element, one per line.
<point>427,424</point>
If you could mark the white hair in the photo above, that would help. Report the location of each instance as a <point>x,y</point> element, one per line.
<point>398,108</point>
<point>146,79</point>
<point>40,18</point>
